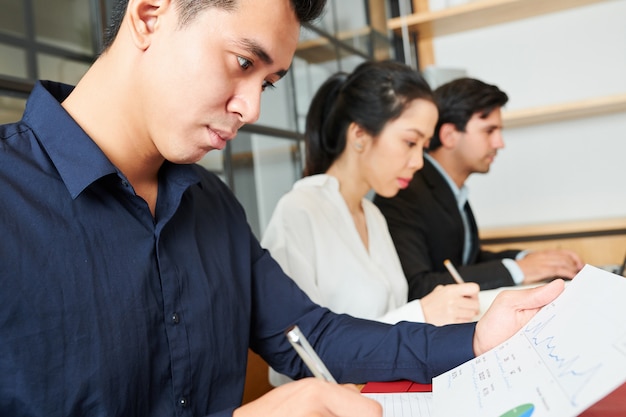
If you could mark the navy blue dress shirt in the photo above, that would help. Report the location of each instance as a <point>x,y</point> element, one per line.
<point>106,310</point>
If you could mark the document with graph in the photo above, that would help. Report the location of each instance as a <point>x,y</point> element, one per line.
<point>569,356</point>
<point>405,404</point>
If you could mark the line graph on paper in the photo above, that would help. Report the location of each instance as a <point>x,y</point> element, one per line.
<point>568,356</point>
<point>570,370</point>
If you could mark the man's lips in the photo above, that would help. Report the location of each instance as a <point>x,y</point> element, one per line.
<point>224,135</point>
<point>220,137</point>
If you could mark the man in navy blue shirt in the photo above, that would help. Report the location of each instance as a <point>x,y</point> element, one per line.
<point>131,282</point>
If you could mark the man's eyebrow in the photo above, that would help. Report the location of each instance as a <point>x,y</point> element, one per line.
<point>255,49</point>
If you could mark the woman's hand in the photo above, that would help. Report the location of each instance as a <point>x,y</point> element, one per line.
<point>454,303</point>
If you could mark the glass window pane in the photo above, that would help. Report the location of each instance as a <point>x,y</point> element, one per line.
<point>213,161</point>
<point>277,106</point>
<point>13,61</point>
<point>351,16</point>
<point>350,62</point>
<point>315,48</point>
<point>12,17</point>
<point>326,22</point>
<point>64,23</point>
<point>60,69</point>
<point>11,109</point>
<point>318,49</point>
<point>342,16</point>
<point>277,165</point>
<point>244,186</point>
<point>264,168</point>
<point>308,78</point>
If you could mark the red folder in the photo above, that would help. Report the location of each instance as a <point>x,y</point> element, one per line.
<point>396,386</point>
<point>613,405</point>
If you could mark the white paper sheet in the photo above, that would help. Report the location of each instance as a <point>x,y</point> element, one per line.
<point>569,356</point>
<point>407,404</point>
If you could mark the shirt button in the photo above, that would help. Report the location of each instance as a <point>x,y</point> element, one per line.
<point>175,318</point>
<point>125,183</point>
<point>183,402</point>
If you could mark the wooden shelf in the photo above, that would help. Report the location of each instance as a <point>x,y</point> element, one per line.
<point>565,111</point>
<point>477,14</point>
<point>321,49</point>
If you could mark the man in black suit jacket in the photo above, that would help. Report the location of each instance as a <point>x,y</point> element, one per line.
<point>431,220</point>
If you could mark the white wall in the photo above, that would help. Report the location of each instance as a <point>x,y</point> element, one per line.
<point>562,171</point>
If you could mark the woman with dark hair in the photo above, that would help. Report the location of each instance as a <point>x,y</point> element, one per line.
<point>364,131</point>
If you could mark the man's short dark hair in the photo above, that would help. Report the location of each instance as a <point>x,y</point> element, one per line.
<point>305,10</point>
<point>460,99</point>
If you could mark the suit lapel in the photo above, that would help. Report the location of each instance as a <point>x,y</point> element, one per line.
<point>441,190</point>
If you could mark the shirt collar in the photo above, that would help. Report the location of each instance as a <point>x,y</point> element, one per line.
<point>77,158</point>
<point>460,194</point>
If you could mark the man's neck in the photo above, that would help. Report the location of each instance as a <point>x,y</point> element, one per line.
<point>450,166</point>
<point>103,112</point>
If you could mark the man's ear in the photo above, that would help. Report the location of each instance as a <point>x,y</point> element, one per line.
<point>142,18</point>
<point>448,135</point>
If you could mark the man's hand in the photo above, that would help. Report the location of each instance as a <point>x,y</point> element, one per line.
<point>311,397</point>
<point>546,264</point>
<point>511,310</point>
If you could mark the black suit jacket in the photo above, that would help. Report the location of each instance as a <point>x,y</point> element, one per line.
<point>427,228</point>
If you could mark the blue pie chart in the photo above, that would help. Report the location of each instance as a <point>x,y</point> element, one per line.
<point>524,410</point>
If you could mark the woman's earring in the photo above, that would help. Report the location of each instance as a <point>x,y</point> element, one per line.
<point>358,146</point>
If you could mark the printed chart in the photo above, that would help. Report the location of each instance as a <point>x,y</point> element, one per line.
<point>570,355</point>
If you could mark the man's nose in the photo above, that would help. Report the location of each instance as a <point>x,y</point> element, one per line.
<point>246,105</point>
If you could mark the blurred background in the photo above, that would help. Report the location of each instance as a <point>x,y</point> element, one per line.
<point>562,63</point>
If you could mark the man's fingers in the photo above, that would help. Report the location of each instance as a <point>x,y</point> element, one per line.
<point>539,296</point>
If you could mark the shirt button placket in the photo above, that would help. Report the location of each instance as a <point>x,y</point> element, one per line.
<point>183,402</point>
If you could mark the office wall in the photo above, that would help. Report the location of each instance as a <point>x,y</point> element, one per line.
<point>562,171</point>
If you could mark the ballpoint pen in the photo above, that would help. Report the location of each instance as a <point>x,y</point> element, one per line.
<point>308,355</point>
<point>452,270</point>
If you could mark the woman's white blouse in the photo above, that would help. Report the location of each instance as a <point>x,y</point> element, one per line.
<point>313,237</point>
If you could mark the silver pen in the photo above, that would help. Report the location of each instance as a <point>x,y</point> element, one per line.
<point>308,355</point>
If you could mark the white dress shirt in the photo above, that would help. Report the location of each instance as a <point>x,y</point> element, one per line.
<point>313,237</point>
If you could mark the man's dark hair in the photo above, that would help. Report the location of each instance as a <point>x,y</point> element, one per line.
<point>305,10</point>
<point>460,99</point>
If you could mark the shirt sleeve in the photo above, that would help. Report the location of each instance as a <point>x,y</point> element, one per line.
<point>516,272</point>
<point>410,311</point>
<point>354,350</point>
